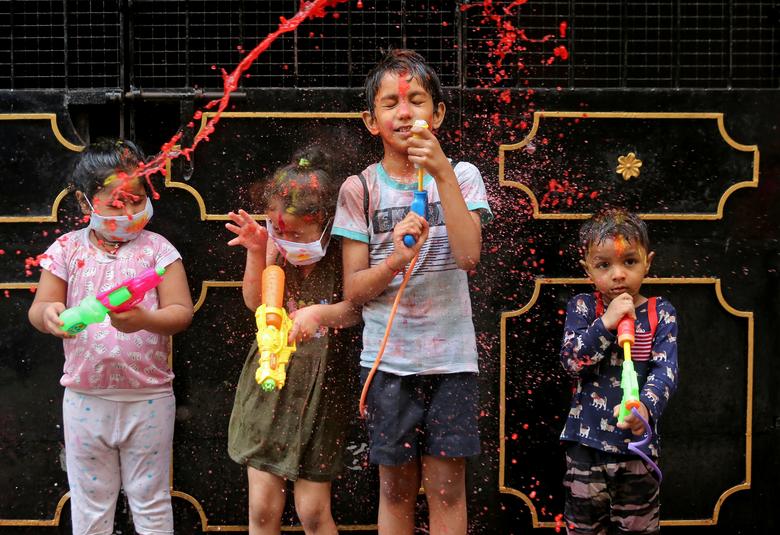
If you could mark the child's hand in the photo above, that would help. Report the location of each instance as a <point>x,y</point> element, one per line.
<point>306,322</point>
<point>632,422</point>
<point>424,150</point>
<point>51,320</point>
<point>130,321</point>
<point>417,227</point>
<point>248,232</point>
<point>620,306</point>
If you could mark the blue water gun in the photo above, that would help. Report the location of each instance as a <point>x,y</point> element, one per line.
<point>420,202</point>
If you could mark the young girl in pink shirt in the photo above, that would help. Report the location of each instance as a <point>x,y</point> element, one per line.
<point>118,407</point>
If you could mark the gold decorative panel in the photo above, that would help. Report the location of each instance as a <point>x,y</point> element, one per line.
<point>566,164</point>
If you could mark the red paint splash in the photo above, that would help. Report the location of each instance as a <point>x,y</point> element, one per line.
<point>31,262</point>
<point>308,10</point>
<point>561,52</point>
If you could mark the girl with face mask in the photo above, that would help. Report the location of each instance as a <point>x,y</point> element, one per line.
<point>297,433</point>
<point>118,385</point>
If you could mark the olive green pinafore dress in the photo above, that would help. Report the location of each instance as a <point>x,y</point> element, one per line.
<point>299,431</point>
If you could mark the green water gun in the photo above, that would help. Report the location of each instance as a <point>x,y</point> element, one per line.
<point>93,309</point>
<point>628,379</point>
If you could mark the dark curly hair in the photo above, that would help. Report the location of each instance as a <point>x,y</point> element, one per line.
<point>401,61</point>
<point>103,158</point>
<point>610,223</point>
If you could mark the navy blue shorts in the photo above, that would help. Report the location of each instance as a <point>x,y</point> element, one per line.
<point>414,415</point>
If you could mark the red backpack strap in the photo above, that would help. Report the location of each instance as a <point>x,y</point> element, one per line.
<point>652,316</point>
<point>599,304</point>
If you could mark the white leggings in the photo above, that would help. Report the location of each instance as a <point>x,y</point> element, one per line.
<point>113,443</point>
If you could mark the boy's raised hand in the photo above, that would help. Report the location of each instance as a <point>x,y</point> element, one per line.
<point>620,306</point>
<point>248,232</point>
<point>424,150</point>
<point>417,227</point>
<point>631,421</point>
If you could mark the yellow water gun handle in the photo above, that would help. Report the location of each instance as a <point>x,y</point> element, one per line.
<point>273,348</point>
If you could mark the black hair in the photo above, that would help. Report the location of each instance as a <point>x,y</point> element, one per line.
<point>401,61</point>
<point>611,223</point>
<point>101,159</point>
<point>305,186</point>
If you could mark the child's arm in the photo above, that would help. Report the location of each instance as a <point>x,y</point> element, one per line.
<point>49,302</point>
<point>585,340</point>
<point>363,283</point>
<point>463,226</point>
<point>662,377</point>
<point>308,320</point>
<point>255,239</point>
<point>174,313</point>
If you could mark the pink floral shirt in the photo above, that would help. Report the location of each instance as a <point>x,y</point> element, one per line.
<point>101,358</point>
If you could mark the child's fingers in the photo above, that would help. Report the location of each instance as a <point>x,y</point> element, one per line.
<point>232,228</point>
<point>234,217</point>
<point>291,337</point>
<point>248,219</point>
<point>425,229</point>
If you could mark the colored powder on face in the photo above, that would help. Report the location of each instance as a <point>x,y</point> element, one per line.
<point>621,244</point>
<point>403,85</point>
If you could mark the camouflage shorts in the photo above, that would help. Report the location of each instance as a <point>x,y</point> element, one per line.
<point>608,493</point>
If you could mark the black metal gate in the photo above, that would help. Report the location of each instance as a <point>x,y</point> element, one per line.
<point>691,88</point>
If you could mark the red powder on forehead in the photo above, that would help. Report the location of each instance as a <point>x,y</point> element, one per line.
<point>403,84</point>
<point>280,223</point>
<point>621,244</point>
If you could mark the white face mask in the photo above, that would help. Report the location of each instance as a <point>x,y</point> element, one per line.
<point>300,254</point>
<point>120,228</point>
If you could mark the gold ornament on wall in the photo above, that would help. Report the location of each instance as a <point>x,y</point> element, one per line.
<point>628,166</point>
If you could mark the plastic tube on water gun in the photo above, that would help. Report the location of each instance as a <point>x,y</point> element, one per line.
<point>93,309</point>
<point>420,202</point>
<point>273,329</point>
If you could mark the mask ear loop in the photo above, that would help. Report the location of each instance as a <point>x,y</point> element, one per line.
<point>89,203</point>
<point>324,230</point>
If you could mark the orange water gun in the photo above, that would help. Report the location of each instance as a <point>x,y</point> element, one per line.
<point>273,329</point>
